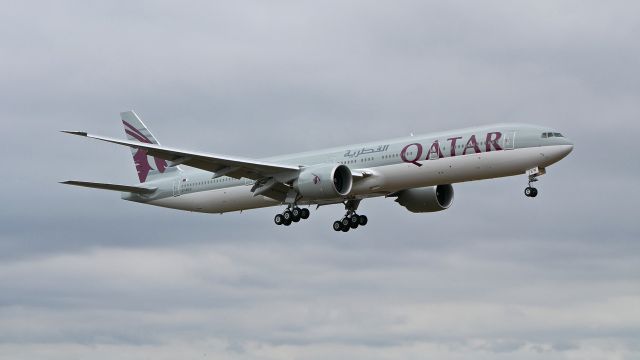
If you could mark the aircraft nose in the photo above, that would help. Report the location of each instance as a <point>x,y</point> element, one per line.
<point>569,148</point>
<point>558,152</point>
<point>569,142</point>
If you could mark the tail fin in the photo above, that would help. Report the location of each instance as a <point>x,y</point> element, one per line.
<point>148,167</point>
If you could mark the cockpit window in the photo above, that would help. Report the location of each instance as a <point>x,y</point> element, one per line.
<point>551,134</point>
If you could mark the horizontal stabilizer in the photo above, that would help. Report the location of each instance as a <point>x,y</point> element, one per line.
<point>114,187</point>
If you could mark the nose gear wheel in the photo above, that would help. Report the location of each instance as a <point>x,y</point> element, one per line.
<point>530,191</point>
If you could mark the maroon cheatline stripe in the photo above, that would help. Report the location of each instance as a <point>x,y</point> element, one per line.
<point>141,139</point>
<point>133,128</point>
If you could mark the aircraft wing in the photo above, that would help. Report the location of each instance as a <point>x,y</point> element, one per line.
<point>114,187</point>
<point>220,165</point>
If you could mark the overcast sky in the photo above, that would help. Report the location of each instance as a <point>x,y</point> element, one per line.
<point>84,274</point>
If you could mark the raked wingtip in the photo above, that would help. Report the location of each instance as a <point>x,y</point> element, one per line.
<point>81,133</point>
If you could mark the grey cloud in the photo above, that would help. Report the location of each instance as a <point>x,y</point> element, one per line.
<point>497,275</point>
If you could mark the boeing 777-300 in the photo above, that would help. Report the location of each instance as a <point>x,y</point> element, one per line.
<point>417,171</point>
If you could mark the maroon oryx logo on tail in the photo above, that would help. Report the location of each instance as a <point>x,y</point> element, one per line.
<point>140,157</point>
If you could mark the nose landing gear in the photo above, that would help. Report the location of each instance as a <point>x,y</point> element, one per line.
<point>533,174</point>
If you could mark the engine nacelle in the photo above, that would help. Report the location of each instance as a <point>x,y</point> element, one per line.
<point>426,199</point>
<point>324,181</point>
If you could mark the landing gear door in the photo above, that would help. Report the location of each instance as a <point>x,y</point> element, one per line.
<point>509,140</point>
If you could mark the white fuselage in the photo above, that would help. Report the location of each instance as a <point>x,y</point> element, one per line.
<point>390,166</point>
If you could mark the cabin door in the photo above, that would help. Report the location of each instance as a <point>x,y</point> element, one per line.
<point>510,140</point>
<point>176,187</point>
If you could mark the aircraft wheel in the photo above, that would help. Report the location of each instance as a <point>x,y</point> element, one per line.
<point>534,192</point>
<point>295,212</point>
<point>279,219</point>
<point>345,228</point>
<point>295,218</point>
<point>363,220</point>
<point>528,191</point>
<point>286,222</point>
<point>345,222</point>
<point>354,221</point>
<point>287,215</point>
<point>304,213</point>
<point>337,225</point>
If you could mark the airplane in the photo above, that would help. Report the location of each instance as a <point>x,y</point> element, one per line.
<point>418,171</point>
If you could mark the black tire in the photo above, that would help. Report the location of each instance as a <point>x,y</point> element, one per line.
<point>354,221</point>
<point>279,219</point>
<point>304,213</point>
<point>363,220</point>
<point>286,222</point>
<point>337,225</point>
<point>295,218</point>
<point>346,228</point>
<point>287,215</point>
<point>534,192</point>
<point>345,222</point>
<point>296,212</point>
<point>528,191</point>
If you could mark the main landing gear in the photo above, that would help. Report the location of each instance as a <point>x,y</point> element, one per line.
<point>291,214</point>
<point>351,220</point>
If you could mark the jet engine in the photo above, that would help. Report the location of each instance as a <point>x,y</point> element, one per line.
<point>325,181</point>
<point>426,199</point>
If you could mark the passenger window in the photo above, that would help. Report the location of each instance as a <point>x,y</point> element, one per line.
<point>557,134</point>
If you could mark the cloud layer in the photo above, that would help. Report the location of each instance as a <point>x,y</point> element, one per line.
<point>84,274</point>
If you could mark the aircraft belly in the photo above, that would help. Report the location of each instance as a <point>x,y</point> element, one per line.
<point>217,201</point>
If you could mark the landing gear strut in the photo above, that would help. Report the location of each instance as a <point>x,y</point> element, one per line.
<point>533,174</point>
<point>351,220</point>
<point>291,214</point>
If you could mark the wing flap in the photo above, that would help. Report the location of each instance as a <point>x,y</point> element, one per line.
<point>113,187</point>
